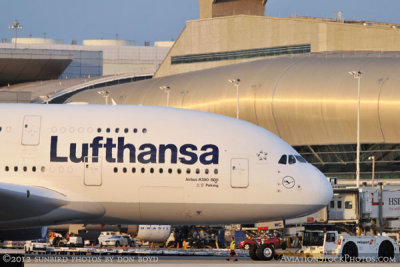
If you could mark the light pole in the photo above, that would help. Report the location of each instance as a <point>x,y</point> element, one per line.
<point>236,83</point>
<point>105,94</point>
<point>15,26</point>
<point>357,75</point>
<point>166,90</point>
<point>183,93</point>
<point>373,168</point>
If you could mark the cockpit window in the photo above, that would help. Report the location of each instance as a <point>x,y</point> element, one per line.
<point>300,159</point>
<point>292,159</point>
<point>283,159</point>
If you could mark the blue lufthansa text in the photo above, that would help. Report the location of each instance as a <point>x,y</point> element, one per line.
<point>119,152</point>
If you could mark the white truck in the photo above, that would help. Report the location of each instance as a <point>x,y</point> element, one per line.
<point>33,246</point>
<point>332,245</point>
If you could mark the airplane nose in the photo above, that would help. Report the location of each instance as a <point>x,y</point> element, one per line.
<point>323,191</point>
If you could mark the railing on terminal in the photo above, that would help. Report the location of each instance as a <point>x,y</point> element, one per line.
<point>242,54</point>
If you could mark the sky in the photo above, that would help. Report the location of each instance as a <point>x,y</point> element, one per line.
<point>157,20</point>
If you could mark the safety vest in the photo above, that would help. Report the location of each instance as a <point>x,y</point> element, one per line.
<point>233,245</point>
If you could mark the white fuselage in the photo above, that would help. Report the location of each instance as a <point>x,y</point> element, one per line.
<point>152,165</point>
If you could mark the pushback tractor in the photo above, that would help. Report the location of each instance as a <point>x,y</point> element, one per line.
<point>330,245</point>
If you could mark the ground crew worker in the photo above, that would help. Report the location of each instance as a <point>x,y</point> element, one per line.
<point>232,249</point>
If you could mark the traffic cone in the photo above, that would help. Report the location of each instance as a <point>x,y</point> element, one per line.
<point>151,245</point>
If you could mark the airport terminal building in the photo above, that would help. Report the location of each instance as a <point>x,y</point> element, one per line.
<point>23,56</point>
<point>230,32</point>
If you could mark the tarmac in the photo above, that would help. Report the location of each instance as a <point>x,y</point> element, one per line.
<point>153,261</point>
<point>46,260</point>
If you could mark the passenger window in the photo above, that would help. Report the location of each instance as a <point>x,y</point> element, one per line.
<point>206,171</point>
<point>126,130</point>
<point>144,130</point>
<point>115,169</point>
<point>151,170</point>
<point>197,171</point>
<point>292,159</point>
<point>43,169</point>
<point>7,168</point>
<point>143,170</point>
<point>169,170</point>
<point>124,170</point>
<point>283,159</point>
<point>339,204</point>
<point>25,168</point>
<point>215,171</point>
<point>348,205</point>
<point>161,170</point>
<point>34,169</point>
<point>135,130</point>
<point>116,130</point>
<point>188,171</point>
<point>15,168</point>
<point>300,159</point>
<point>108,130</point>
<point>332,205</point>
<point>179,171</point>
<point>133,170</point>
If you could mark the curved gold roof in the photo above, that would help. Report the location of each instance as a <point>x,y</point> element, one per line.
<point>306,100</point>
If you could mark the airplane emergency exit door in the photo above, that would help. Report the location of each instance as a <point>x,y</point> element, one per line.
<point>92,171</point>
<point>31,130</point>
<point>239,173</point>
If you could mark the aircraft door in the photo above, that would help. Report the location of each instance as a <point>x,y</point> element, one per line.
<point>92,171</point>
<point>31,130</point>
<point>239,173</point>
<point>336,211</point>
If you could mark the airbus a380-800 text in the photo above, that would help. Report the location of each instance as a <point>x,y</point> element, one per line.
<point>102,164</point>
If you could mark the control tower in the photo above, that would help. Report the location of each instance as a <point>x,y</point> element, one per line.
<point>222,8</point>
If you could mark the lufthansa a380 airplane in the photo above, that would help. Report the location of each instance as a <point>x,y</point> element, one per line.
<point>147,165</point>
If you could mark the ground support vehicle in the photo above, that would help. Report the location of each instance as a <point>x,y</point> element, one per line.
<point>35,247</point>
<point>200,236</point>
<point>246,244</point>
<point>118,240</point>
<point>57,240</point>
<point>104,236</point>
<point>75,241</point>
<point>332,246</point>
